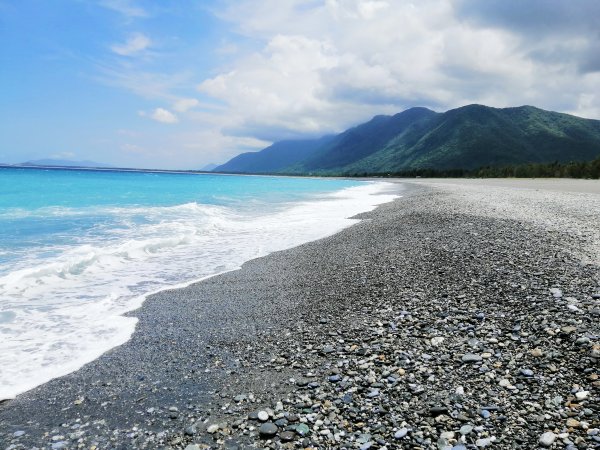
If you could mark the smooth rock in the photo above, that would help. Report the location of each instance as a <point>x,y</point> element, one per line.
<point>302,429</point>
<point>287,436</point>
<point>466,429</point>
<point>268,429</point>
<point>471,358</point>
<point>547,439</point>
<point>484,442</point>
<point>402,432</point>
<point>263,416</point>
<point>573,423</point>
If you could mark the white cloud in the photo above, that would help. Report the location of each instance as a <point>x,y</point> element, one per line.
<point>136,43</point>
<point>301,68</point>
<point>125,7</point>
<point>185,104</point>
<point>327,65</point>
<point>162,115</point>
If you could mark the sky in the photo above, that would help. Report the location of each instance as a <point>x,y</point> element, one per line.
<point>181,84</point>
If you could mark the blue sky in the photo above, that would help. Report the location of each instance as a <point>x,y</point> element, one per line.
<point>179,84</point>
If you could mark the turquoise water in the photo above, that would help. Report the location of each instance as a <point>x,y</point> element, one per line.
<point>78,248</point>
<point>43,210</point>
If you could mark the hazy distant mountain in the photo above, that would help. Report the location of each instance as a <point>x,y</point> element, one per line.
<point>469,137</point>
<point>274,158</point>
<point>64,163</point>
<point>208,167</point>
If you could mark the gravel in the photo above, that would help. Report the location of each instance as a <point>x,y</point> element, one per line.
<point>432,324</point>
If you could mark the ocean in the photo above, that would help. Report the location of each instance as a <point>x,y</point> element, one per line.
<point>79,248</point>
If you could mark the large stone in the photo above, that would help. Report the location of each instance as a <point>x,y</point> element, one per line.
<point>402,432</point>
<point>471,358</point>
<point>268,429</point>
<point>547,439</point>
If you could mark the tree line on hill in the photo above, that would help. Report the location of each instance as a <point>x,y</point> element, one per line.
<point>573,169</point>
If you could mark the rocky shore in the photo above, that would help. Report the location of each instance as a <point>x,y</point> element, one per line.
<point>448,319</point>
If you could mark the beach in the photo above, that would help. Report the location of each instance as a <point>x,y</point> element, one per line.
<point>464,314</point>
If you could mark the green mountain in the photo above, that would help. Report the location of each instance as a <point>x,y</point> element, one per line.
<point>469,137</point>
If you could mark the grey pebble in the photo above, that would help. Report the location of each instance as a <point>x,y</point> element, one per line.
<point>268,429</point>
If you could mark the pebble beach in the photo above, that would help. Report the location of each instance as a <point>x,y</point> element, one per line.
<point>460,316</point>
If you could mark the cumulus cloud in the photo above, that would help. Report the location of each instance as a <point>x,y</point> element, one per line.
<point>327,65</point>
<point>185,104</point>
<point>161,115</point>
<point>136,43</point>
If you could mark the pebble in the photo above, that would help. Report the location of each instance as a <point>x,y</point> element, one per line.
<point>302,429</point>
<point>556,293</point>
<point>582,395</point>
<point>526,372</point>
<point>268,429</point>
<point>485,442</point>
<point>471,358</point>
<point>402,432</point>
<point>212,428</point>
<point>572,423</point>
<point>287,436</point>
<point>437,341</point>
<point>547,439</point>
<point>263,416</point>
<point>466,429</point>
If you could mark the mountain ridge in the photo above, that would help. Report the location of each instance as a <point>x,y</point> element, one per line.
<point>64,163</point>
<point>468,137</point>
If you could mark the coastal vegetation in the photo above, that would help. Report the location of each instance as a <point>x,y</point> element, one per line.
<point>573,169</point>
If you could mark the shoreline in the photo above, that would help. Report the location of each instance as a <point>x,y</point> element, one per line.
<point>359,197</point>
<point>297,315</point>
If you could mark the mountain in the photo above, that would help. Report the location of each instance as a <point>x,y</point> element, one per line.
<point>364,140</point>
<point>64,163</point>
<point>274,158</point>
<point>469,137</point>
<point>209,167</point>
